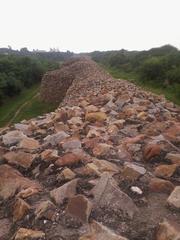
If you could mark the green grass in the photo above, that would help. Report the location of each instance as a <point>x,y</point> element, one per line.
<point>34,108</point>
<point>171,93</point>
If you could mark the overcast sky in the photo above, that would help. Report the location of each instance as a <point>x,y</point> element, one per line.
<point>87,25</point>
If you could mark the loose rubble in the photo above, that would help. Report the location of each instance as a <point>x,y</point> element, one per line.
<point>104,165</point>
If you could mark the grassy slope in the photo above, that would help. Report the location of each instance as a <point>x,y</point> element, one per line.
<point>34,107</point>
<point>171,93</point>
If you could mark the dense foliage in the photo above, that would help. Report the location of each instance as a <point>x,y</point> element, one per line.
<point>160,65</point>
<point>18,72</point>
<point>158,68</point>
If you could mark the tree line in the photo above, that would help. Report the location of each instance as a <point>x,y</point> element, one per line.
<point>19,72</point>
<point>158,65</point>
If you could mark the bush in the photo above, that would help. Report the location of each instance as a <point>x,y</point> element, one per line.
<point>19,72</point>
<point>153,69</point>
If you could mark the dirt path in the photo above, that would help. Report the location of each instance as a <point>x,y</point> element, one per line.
<point>20,109</point>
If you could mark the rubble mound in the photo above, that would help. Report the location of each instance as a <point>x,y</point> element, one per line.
<point>75,78</point>
<point>104,166</point>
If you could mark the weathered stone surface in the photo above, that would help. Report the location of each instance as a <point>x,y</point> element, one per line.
<point>107,194</point>
<point>5,226</point>
<point>49,155</point>
<point>174,198</point>
<point>71,143</point>
<point>151,151</point>
<point>68,190</point>
<point>20,209</point>
<point>19,158</point>
<point>79,207</point>
<point>13,137</point>
<point>132,171</point>
<point>165,171</point>
<point>161,185</point>
<point>29,143</point>
<point>67,174</point>
<point>174,158</point>
<point>11,182</point>
<point>75,121</point>
<point>102,149</point>
<point>96,116</point>
<point>100,232</point>
<point>28,234</point>
<point>68,160</point>
<point>167,231</point>
<point>105,166</point>
<point>46,210</point>
<point>25,193</point>
<point>56,138</point>
<point>26,129</point>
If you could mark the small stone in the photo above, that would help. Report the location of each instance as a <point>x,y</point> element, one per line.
<point>112,129</point>
<point>101,149</point>
<point>91,109</point>
<point>25,193</point>
<point>13,137</point>
<point>28,234</point>
<point>174,198</point>
<point>68,160</point>
<point>96,116</point>
<point>20,209</point>
<point>142,115</point>
<point>105,166</point>
<point>136,190</point>
<point>151,151</point>
<point>68,190</point>
<point>19,158</point>
<point>168,231</point>
<point>56,138</point>
<point>79,207</point>
<point>89,170</point>
<point>26,129</point>
<point>29,143</point>
<point>100,232</point>
<point>107,194</point>
<point>93,133</point>
<point>119,123</point>
<point>134,140</point>
<point>45,209</point>
<point>67,174</point>
<point>60,126</point>
<point>75,121</point>
<point>49,155</point>
<point>174,158</point>
<point>165,171</point>
<point>161,186</point>
<point>71,143</point>
<point>132,171</point>
<point>12,182</point>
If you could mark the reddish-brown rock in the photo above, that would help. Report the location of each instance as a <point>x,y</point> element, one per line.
<point>20,209</point>
<point>64,192</point>
<point>167,231</point>
<point>79,207</point>
<point>19,158</point>
<point>11,182</point>
<point>161,185</point>
<point>165,171</point>
<point>95,116</point>
<point>151,151</point>
<point>68,160</point>
<point>28,234</point>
